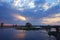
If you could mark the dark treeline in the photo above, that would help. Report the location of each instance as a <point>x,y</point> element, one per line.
<point>29,26</point>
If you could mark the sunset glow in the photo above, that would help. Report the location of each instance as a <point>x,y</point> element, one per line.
<point>33,11</point>
<point>21,34</point>
<point>19,17</point>
<point>52,20</point>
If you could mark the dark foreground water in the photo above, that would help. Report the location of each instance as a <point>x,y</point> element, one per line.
<point>13,34</point>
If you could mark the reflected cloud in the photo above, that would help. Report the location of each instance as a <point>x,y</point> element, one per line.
<point>21,34</point>
<point>19,17</point>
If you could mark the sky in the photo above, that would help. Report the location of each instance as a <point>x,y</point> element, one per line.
<point>37,12</point>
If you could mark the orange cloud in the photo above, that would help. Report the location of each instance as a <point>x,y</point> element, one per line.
<point>55,19</point>
<point>19,17</point>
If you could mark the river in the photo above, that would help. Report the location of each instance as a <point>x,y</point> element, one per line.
<point>13,34</point>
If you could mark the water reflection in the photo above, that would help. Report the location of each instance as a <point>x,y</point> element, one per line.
<point>13,34</point>
<point>21,34</point>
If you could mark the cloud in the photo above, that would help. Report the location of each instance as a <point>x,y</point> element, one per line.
<point>5,13</point>
<point>25,4</point>
<point>17,4</point>
<point>38,2</point>
<point>53,10</point>
<point>19,17</point>
<point>51,1</point>
<point>31,5</point>
<point>58,0</point>
<point>28,11</point>
<point>46,6</point>
<point>54,19</point>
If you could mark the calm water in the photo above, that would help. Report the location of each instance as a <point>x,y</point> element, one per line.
<point>13,34</point>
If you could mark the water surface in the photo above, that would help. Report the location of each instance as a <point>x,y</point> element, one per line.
<point>13,34</point>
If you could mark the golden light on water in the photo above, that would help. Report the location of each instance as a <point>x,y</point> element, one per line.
<point>21,34</point>
<point>19,17</point>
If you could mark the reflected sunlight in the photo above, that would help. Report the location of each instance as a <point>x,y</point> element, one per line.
<point>21,34</point>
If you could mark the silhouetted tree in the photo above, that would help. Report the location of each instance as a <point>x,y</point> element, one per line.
<point>13,26</point>
<point>16,25</point>
<point>28,25</point>
<point>58,34</point>
<point>2,25</point>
